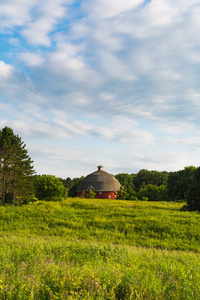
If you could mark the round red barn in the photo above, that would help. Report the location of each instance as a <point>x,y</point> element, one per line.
<point>102,183</point>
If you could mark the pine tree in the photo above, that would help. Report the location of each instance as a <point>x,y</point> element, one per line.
<point>16,168</point>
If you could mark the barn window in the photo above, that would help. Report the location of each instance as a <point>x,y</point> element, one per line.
<point>109,197</point>
<point>90,188</point>
<point>100,193</point>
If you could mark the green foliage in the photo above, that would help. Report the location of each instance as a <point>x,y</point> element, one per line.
<point>193,193</point>
<point>124,289</point>
<point>52,268</point>
<point>145,177</point>
<point>126,180</point>
<point>83,249</point>
<point>151,185</point>
<point>156,186</point>
<point>49,187</point>
<point>153,193</point>
<point>72,184</point>
<point>127,194</point>
<point>90,195</point>
<point>16,170</point>
<point>139,223</point>
<point>179,182</point>
<point>137,184</point>
<point>68,183</point>
<point>122,194</point>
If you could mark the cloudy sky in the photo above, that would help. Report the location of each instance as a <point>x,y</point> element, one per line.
<point>95,82</point>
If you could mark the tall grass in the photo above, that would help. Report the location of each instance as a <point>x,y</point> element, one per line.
<point>53,268</point>
<point>99,249</point>
<point>147,224</point>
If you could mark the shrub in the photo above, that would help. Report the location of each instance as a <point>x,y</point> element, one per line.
<point>90,195</point>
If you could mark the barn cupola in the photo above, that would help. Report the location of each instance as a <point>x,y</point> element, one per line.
<point>100,168</point>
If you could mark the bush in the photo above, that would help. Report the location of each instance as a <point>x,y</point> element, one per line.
<point>90,195</point>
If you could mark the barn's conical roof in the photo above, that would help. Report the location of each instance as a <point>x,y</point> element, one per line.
<point>100,181</point>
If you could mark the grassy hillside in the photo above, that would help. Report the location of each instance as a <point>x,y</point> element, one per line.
<point>99,249</point>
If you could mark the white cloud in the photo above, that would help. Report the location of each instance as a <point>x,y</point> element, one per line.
<point>162,13</point>
<point>66,70</point>
<point>50,153</point>
<point>5,107</point>
<point>175,128</point>
<point>36,18</point>
<point>65,162</point>
<point>114,68</point>
<point>66,56</point>
<point>15,86</point>
<point>113,130</point>
<point>6,70</point>
<point>37,33</point>
<point>31,59</point>
<point>119,73</point>
<point>48,15</point>
<point>14,13</point>
<point>186,141</point>
<point>40,130</point>
<point>101,9</point>
<point>166,161</point>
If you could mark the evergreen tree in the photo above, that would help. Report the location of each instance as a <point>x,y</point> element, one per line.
<point>73,189</point>
<point>16,168</point>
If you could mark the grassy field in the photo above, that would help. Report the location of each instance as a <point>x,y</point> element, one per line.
<point>99,249</point>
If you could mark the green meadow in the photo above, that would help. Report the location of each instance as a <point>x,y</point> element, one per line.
<point>99,249</point>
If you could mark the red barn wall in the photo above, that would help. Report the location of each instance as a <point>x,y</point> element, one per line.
<point>99,195</point>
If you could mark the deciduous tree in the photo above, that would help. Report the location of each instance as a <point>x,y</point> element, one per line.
<point>179,182</point>
<point>49,187</point>
<point>192,195</point>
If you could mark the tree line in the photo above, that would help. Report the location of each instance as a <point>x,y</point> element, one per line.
<point>182,185</point>
<point>20,184</point>
<point>157,186</point>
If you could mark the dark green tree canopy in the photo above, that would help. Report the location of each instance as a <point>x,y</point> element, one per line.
<point>145,177</point>
<point>192,195</point>
<point>49,187</point>
<point>179,182</point>
<point>126,180</point>
<point>144,182</point>
<point>153,193</point>
<point>72,184</point>
<point>16,168</point>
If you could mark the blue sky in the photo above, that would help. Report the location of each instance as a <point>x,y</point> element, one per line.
<point>102,82</point>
